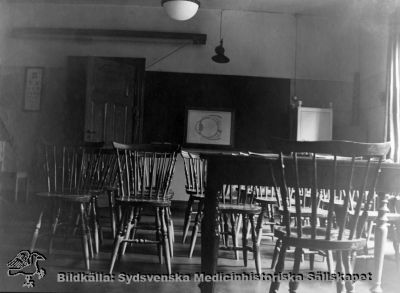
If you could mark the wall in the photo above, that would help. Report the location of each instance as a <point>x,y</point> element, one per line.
<point>373,67</point>
<point>259,44</point>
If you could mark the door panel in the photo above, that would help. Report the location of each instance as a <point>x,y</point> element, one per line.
<point>113,96</point>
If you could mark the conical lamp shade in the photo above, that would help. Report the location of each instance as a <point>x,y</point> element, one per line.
<point>180,9</point>
<point>220,54</point>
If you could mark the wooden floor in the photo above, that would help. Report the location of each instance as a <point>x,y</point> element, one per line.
<point>17,224</point>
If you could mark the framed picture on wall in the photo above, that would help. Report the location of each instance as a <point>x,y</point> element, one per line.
<point>209,127</point>
<point>33,88</point>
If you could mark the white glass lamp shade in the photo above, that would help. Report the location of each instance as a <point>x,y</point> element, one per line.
<point>180,9</point>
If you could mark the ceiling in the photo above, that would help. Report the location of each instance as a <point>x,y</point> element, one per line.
<point>314,7</point>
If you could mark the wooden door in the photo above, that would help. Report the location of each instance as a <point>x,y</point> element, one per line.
<point>114,104</point>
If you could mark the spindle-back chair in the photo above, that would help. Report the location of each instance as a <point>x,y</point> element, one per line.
<point>145,173</point>
<point>68,178</point>
<point>237,206</point>
<point>195,175</point>
<point>345,234</point>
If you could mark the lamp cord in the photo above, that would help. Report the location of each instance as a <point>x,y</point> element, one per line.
<point>167,55</point>
<point>295,58</point>
<point>220,26</point>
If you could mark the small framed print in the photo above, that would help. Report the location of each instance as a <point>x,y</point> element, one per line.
<point>209,127</point>
<point>33,88</point>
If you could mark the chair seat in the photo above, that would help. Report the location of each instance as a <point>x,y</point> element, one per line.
<point>240,208</point>
<point>265,200</point>
<point>194,193</point>
<point>166,202</point>
<point>306,212</point>
<point>319,242</point>
<point>69,197</point>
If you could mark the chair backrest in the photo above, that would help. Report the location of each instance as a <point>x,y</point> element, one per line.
<point>63,166</point>
<point>195,173</point>
<point>341,168</point>
<point>99,166</point>
<point>145,170</point>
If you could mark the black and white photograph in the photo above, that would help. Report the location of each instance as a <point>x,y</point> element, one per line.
<point>204,146</point>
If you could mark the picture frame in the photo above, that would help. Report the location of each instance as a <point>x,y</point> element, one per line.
<point>213,127</point>
<point>33,88</point>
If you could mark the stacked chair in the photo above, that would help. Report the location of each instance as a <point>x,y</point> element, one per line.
<point>144,177</point>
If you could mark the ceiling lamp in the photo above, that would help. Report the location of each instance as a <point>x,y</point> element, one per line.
<point>220,56</point>
<point>180,9</point>
<point>219,50</point>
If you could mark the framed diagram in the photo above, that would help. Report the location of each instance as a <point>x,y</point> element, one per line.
<point>33,88</point>
<point>209,127</point>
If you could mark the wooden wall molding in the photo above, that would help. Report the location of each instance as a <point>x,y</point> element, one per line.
<point>106,34</point>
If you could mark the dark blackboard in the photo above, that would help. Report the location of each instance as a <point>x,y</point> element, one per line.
<point>260,104</point>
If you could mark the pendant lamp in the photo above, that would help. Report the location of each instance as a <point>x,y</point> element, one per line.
<point>219,50</point>
<point>180,9</point>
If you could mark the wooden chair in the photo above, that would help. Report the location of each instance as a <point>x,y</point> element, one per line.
<point>360,175</point>
<point>109,176</point>
<point>267,198</point>
<point>393,220</point>
<point>145,173</point>
<point>237,207</point>
<point>101,171</point>
<point>68,198</point>
<point>304,196</point>
<point>195,174</point>
<point>394,208</point>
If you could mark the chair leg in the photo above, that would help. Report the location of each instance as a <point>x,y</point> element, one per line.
<point>294,283</point>
<point>118,239</point>
<point>159,236</point>
<point>238,221</point>
<point>171,225</point>
<point>95,223</point>
<point>347,262</point>
<point>396,243</point>
<point>256,246</point>
<point>112,211</point>
<point>244,238</point>
<point>165,241</point>
<point>275,284</point>
<point>54,229</point>
<point>89,234</point>
<point>170,232</point>
<point>188,216</point>
<point>196,227</point>
<point>37,229</point>
<point>85,239</point>
<point>329,260</point>
<point>131,223</point>
<point>221,229</point>
<point>312,258</point>
<point>234,235</point>
<point>370,225</point>
<point>226,229</point>
<point>339,269</point>
<point>259,224</point>
<point>276,253</point>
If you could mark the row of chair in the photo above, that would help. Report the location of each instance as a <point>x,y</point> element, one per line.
<point>310,220</point>
<point>137,180</point>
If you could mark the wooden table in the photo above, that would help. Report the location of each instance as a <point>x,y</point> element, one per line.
<point>256,170</point>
